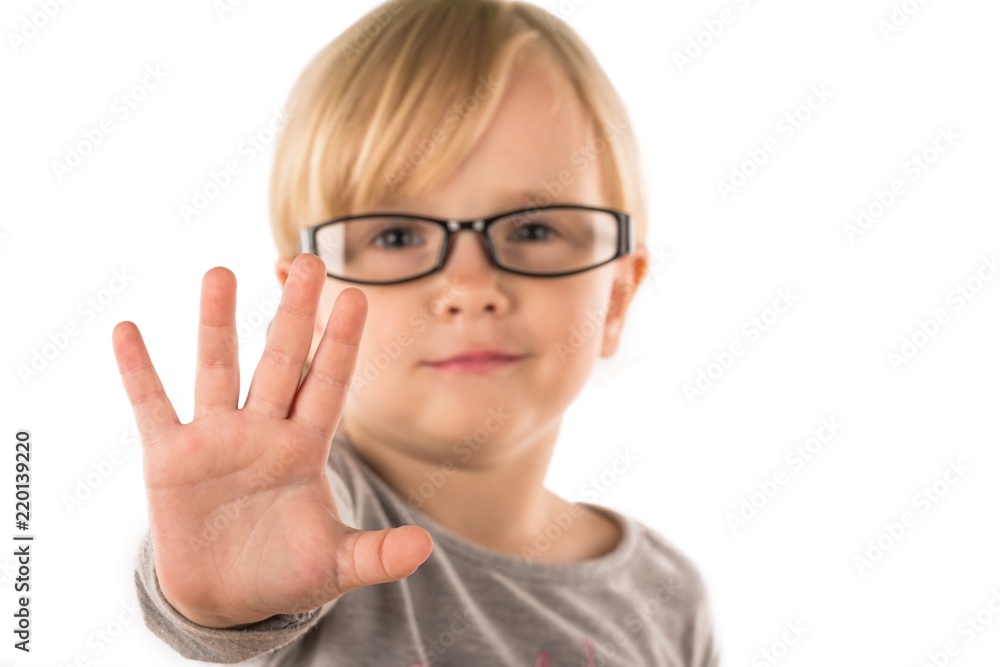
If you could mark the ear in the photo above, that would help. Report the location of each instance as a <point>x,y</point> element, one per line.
<point>629,276</point>
<point>283,268</point>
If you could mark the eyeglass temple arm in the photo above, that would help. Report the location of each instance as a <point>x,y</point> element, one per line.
<point>305,240</point>
<point>628,243</point>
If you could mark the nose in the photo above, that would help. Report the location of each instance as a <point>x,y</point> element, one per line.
<point>472,276</point>
<point>468,251</point>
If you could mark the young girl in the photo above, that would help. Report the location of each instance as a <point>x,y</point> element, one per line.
<point>458,181</point>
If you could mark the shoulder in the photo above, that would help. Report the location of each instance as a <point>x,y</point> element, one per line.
<point>667,577</point>
<point>681,586</point>
<point>666,566</point>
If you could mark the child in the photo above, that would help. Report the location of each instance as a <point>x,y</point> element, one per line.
<point>379,498</point>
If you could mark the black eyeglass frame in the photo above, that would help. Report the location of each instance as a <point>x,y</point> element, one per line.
<point>626,238</point>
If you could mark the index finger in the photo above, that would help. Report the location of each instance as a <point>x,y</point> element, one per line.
<point>321,397</point>
<point>279,371</point>
<point>154,414</point>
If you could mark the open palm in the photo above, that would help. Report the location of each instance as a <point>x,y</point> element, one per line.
<point>242,516</point>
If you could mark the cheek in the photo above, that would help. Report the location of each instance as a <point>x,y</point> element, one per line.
<point>570,333</point>
<point>393,335</point>
<point>572,321</point>
<point>570,346</point>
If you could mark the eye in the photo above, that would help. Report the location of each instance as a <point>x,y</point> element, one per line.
<point>397,237</point>
<point>532,231</point>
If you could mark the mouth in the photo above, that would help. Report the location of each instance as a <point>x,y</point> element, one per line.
<point>480,362</point>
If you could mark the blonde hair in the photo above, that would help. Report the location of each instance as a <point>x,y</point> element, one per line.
<point>390,87</point>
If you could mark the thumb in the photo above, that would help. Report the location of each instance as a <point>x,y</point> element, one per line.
<point>372,557</point>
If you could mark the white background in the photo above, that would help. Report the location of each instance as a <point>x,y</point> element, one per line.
<point>722,264</point>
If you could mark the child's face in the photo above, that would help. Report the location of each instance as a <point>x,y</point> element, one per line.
<point>396,398</point>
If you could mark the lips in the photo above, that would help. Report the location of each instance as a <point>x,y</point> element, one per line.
<point>478,356</point>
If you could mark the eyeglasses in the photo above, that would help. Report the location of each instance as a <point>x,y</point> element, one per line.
<point>544,242</point>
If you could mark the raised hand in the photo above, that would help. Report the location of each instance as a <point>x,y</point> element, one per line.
<point>242,515</point>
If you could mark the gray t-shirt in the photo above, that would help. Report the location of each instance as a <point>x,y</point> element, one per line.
<point>643,603</point>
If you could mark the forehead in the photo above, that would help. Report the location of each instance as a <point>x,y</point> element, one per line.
<point>532,152</point>
<point>540,121</point>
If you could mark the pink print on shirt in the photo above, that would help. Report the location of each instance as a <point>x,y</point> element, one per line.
<point>543,659</point>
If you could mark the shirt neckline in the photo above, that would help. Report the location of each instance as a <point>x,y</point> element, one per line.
<point>582,571</point>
